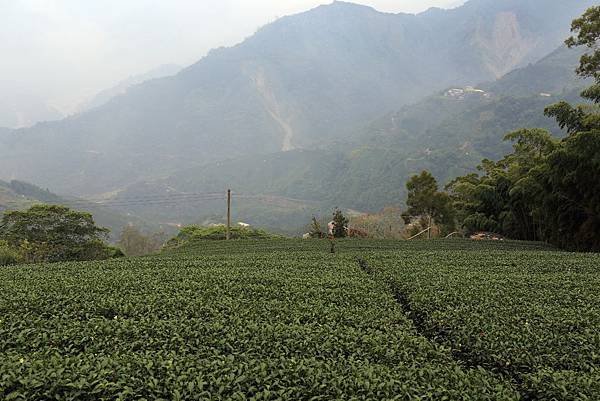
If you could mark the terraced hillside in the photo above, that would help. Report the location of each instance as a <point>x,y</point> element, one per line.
<point>287,319</point>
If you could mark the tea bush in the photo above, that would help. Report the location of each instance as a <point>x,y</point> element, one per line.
<point>529,316</point>
<point>286,319</point>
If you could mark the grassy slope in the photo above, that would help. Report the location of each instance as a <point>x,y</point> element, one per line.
<point>286,318</point>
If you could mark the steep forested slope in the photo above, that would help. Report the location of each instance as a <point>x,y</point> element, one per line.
<point>298,82</point>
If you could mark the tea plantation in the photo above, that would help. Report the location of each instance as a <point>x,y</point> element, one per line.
<point>288,320</point>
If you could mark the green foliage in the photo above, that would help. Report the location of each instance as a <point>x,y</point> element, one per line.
<point>285,319</point>
<point>571,189</point>
<point>587,33</point>
<point>49,233</point>
<point>425,200</point>
<point>276,319</point>
<point>315,229</point>
<point>546,190</point>
<point>422,189</point>
<point>8,255</point>
<point>340,224</point>
<point>500,200</point>
<point>218,233</point>
<point>531,317</point>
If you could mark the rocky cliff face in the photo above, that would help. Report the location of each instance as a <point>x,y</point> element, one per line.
<point>504,44</point>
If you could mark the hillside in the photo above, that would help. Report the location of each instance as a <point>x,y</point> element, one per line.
<point>297,83</point>
<point>448,133</point>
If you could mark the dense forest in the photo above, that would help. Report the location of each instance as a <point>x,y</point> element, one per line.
<point>547,189</point>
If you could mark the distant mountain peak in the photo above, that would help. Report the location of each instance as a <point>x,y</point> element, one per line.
<point>343,8</point>
<point>348,4</point>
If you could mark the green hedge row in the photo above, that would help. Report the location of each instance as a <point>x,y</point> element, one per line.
<point>273,324</point>
<point>532,317</point>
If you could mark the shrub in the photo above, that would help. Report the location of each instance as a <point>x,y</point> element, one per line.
<point>340,224</point>
<point>8,256</point>
<point>218,233</point>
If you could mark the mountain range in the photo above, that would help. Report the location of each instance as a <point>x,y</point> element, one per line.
<point>445,133</point>
<point>337,105</point>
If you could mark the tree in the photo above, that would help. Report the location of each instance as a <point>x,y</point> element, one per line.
<point>425,200</point>
<point>546,189</point>
<point>134,243</point>
<point>8,256</point>
<point>51,233</point>
<point>340,224</point>
<point>315,229</point>
<point>503,199</point>
<point>570,178</point>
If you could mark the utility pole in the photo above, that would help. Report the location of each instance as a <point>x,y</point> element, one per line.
<point>228,214</point>
<point>429,231</point>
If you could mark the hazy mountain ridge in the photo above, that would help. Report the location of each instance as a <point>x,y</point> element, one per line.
<point>445,134</point>
<point>298,82</point>
<point>122,87</point>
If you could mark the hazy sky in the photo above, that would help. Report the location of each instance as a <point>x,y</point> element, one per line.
<point>66,50</point>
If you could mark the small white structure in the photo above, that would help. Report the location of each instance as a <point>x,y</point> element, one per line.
<point>306,236</point>
<point>243,225</point>
<point>462,93</point>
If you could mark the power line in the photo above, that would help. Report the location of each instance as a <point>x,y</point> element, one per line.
<point>171,199</point>
<point>190,199</point>
<point>126,200</point>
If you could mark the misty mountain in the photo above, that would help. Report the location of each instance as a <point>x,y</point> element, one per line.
<point>19,109</point>
<point>122,87</point>
<point>448,133</point>
<point>297,83</point>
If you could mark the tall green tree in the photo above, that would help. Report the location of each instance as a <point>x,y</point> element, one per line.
<point>571,177</point>
<point>546,189</point>
<point>52,233</point>
<point>340,224</point>
<point>426,200</point>
<point>503,198</point>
